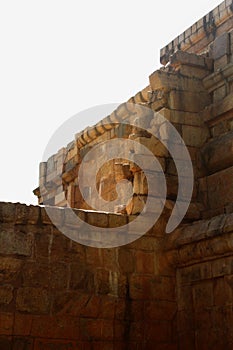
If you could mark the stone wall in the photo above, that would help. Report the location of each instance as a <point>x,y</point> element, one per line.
<point>203,256</point>
<point>193,92</point>
<point>161,291</point>
<point>198,38</point>
<point>58,294</point>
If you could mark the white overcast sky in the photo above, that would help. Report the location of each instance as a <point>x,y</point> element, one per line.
<point>60,57</point>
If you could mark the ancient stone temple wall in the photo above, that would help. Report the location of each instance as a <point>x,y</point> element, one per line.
<point>162,291</point>
<point>56,294</point>
<point>202,254</point>
<point>193,92</point>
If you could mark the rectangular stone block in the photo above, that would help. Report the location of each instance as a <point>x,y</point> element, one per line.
<point>194,273</point>
<point>218,153</point>
<point>188,101</point>
<point>12,242</point>
<point>22,324</point>
<point>214,338</point>
<point>221,62</point>
<point>228,225</point>
<point>43,169</point>
<point>145,262</point>
<point>22,344</point>
<point>81,278</point>
<point>195,136</point>
<point>147,287</point>
<point>52,215</point>
<point>51,164</point>
<point>194,72</point>
<point>184,298</point>
<point>180,117</point>
<point>91,328</point>
<point>220,93</point>
<point>142,161</point>
<point>222,292</point>
<point>33,300</point>
<point>160,310</point>
<point>71,153</point>
<point>6,323</point>
<point>220,188</point>
<point>55,327</point>
<point>161,80</point>
<point>203,295</point>
<point>219,108</point>
<point>26,214</point>
<point>97,219</point>
<point>116,220</point>
<point>190,59</point>
<point>222,267</point>
<point>158,332</point>
<point>9,269</point>
<point>221,46</point>
<point>7,212</point>
<point>140,183</point>
<point>60,199</point>
<point>6,294</point>
<point>185,321</point>
<point>6,342</point>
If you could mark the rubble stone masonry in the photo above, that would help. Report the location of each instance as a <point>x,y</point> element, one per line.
<point>163,291</point>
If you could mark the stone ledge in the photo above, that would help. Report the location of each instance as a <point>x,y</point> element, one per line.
<point>22,214</point>
<point>91,133</point>
<point>200,241</point>
<point>162,80</point>
<point>191,59</point>
<point>201,230</point>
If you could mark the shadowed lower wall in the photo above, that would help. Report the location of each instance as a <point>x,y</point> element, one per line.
<point>159,292</point>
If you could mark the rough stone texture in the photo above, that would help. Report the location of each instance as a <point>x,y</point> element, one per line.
<point>204,266</point>
<point>161,291</point>
<point>68,296</point>
<point>193,92</point>
<point>202,34</point>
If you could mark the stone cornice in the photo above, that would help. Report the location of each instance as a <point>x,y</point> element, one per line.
<point>91,133</point>
<point>204,237</point>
